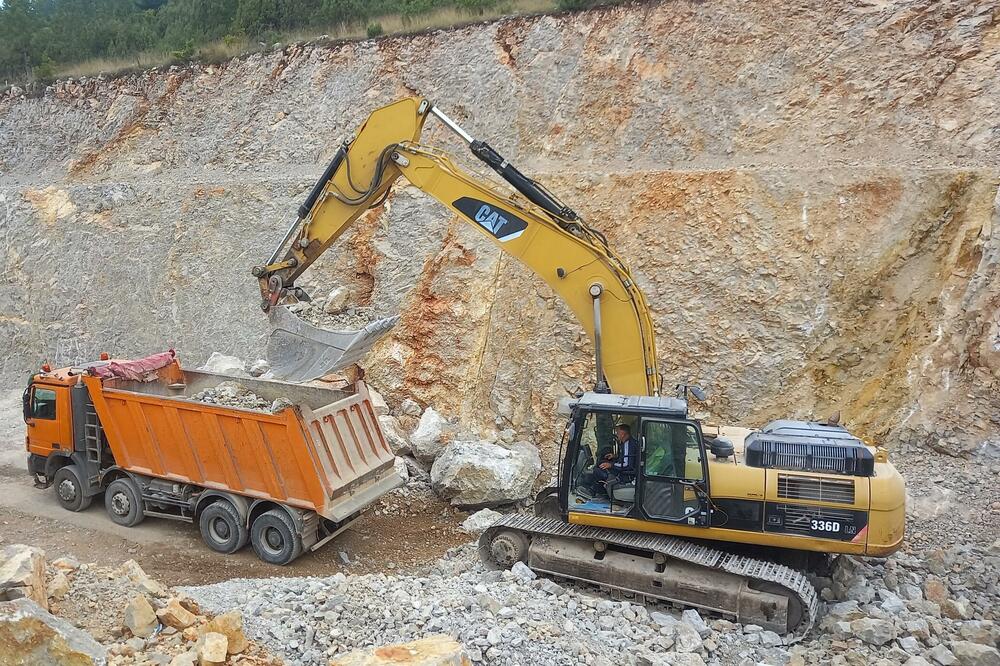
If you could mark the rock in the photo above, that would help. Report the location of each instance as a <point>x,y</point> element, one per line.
<point>31,635</point>
<point>337,300</point>
<point>918,628</point>
<point>916,661</point>
<point>379,405</point>
<point>671,659</point>
<point>693,618</point>
<point>58,586</point>
<point>410,407</point>
<point>66,563</point>
<point>212,649</point>
<point>22,574</point>
<point>189,658</point>
<point>131,570</point>
<point>258,368</point>
<point>957,609</point>
<point>399,465</point>
<point>686,638</point>
<point>136,644</point>
<point>176,616</point>
<point>873,631</point>
<point>522,571</point>
<point>936,502</point>
<point>394,436</point>
<point>939,654</point>
<point>220,364</point>
<point>427,440</point>
<point>480,520</point>
<point>909,644</point>
<point>980,631</point>
<point>229,625</point>
<point>483,474</point>
<point>435,650</point>
<point>935,590</point>
<point>140,618</point>
<point>975,654</point>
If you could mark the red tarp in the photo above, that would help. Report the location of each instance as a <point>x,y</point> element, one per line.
<point>136,370</point>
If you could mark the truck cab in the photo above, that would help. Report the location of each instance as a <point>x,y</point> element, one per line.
<point>49,431</point>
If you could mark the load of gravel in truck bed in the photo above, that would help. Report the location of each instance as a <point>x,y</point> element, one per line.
<point>234,394</point>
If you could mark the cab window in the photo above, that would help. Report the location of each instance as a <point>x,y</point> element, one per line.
<point>43,404</point>
<point>672,450</point>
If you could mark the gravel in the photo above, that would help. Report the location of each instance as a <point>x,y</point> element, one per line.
<point>234,394</point>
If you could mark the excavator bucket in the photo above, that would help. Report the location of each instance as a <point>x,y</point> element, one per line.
<point>299,352</point>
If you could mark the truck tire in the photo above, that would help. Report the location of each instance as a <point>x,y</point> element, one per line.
<point>274,538</point>
<point>68,484</point>
<point>221,527</point>
<point>123,501</point>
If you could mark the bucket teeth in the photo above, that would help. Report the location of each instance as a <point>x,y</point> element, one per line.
<point>299,352</point>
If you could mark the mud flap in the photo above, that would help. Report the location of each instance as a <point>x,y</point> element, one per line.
<point>299,352</point>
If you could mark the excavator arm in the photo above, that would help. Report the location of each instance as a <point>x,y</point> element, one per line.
<point>532,226</point>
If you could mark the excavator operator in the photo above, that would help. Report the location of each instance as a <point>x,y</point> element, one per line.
<point>620,468</point>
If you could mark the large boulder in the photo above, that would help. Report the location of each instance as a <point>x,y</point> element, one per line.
<point>220,364</point>
<point>428,439</point>
<point>22,574</point>
<point>434,650</point>
<point>394,436</point>
<point>29,635</point>
<point>476,474</point>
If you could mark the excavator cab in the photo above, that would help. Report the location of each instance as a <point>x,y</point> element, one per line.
<point>667,480</point>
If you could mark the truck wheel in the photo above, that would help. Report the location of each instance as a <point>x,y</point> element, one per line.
<point>124,502</point>
<point>274,538</point>
<point>69,489</point>
<point>221,527</point>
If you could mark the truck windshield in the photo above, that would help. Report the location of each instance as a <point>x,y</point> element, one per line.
<point>43,404</point>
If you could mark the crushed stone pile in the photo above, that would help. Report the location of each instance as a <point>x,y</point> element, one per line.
<point>350,319</point>
<point>234,394</point>
<point>904,610</point>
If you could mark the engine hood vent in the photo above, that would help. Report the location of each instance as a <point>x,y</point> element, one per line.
<point>800,446</point>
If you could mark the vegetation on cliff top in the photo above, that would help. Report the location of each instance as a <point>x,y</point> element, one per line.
<point>42,39</point>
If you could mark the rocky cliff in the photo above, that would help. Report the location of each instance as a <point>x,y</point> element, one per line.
<point>808,192</point>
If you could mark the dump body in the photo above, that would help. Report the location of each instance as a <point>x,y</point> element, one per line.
<point>324,452</point>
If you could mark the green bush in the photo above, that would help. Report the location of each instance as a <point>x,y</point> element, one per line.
<point>374,30</point>
<point>186,52</point>
<point>46,69</point>
<point>575,5</point>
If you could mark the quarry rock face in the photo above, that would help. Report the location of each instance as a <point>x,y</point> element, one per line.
<point>811,210</point>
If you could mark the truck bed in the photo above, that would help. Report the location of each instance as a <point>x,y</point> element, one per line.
<point>325,453</point>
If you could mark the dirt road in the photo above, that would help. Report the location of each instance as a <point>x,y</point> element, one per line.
<point>399,533</point>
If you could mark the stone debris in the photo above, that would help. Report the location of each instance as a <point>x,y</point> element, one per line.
<point>22,574</point>
<point>212,649</point>
<point>394,435</point>
<point>347,319</point>
<point>258,368</point>
<point>175,615</point>
<point>234,394</point>
<point>337,300</point>
<point>476,474</point>
<point>230,625</point>
<point>436,650</point>
<point>29,636</point>
<point>480,520</point>
<point>221,364</point>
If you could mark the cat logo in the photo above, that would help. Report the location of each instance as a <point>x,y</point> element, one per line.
<point>504,226</point>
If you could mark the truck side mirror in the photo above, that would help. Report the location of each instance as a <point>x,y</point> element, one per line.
<point>26,404</point>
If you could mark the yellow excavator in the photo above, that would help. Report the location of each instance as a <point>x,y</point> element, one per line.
<point>718,518</point>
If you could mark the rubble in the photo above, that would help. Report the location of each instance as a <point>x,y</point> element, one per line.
<point>476,474</point>
<point>479,521</point>
<point>140,618</point>
<point>434,650</point>
<point>234,394</point>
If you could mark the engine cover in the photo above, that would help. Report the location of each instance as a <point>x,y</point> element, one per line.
<point>804,446</point>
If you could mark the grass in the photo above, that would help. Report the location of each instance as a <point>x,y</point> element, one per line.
<point>392,24</point>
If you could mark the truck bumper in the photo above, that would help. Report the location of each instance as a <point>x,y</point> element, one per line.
<point>342,506</point>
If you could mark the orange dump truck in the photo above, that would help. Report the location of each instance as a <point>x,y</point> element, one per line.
<point>287,481</point>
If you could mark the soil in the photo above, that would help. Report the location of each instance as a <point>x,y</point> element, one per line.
<point>390,537</point>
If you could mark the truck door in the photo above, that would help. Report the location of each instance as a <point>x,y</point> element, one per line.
<point>46,413</point>
<point>674,472</point>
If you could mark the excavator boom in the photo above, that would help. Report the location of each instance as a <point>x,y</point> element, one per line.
<point>531,225</point>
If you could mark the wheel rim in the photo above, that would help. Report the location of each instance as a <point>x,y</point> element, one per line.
<point>506,549</point>
<point>67,490</point>
<point>272,540</point>
<point>220,529</point>
<point>120,503</point>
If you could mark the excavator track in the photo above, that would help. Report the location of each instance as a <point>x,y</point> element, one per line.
<point>561,549</point>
